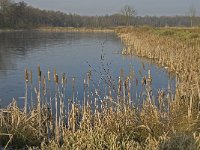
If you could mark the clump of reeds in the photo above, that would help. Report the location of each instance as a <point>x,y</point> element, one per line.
<point>110,122</point>
<point>179,56</point>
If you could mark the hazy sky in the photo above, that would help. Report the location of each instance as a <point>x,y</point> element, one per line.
<point>102,7</point>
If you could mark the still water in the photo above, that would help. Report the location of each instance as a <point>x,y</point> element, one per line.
<point>70,53</point>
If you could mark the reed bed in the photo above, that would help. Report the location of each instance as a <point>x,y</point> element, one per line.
<point>178,50</point>
<point>111,120</point>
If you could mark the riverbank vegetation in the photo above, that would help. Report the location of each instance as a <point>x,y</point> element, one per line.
<point>178,50</point>
<point>72,29</point>
<point>111,120</point>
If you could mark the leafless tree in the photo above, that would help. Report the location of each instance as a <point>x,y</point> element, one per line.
<point>192,14</point>
<point>128,12</point>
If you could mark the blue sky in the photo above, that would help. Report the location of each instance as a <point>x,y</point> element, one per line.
<point>102,7</point>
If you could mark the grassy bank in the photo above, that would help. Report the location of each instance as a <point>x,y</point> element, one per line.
<point>176,49</point>
<point>111,121</point>
<point>72,29</point>
<point>62,29</point>
<point>179,51</point>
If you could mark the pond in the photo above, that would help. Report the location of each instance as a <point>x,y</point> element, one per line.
<point>71,53</point>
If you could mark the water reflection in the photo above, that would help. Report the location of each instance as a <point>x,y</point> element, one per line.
<point>72,53</point>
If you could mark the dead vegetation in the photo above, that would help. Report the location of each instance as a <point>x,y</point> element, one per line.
<point>112,121</point>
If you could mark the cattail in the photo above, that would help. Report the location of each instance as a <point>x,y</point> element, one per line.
<point>44,87</point>
<point>26,92</point>
<point>89,74</point>
<point>54,75</point>
<point>39,99</point>
<point>39,73</point>
<point>143,66</point>
<point>63,79</point>
<point>119,92</point>
<point>119,86</point>
<point>73,117</point>
<point>31,77</point>
<point>56,79</point>
<point>26,75</point>
<point>144,80</point>
<point>31,82</point>
<point>49,76</point>
<point>129,90</point>
<point>73,83</point>
<point>84,96</point>
<point>56,107</point>
<point>149,77</point>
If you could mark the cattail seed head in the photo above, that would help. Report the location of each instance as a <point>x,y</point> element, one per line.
<point>143,66</point>
<point>54,74</point>
<point>144,81</point>
<point>26,75</point>
<point>39,73</point>
<point>56,79</point>
<point>49,78</point>
<point>63,78</point>
<point>73,80</point>
<point>44,85</point>
<point>31,76</point>
<point>149,77</point>
<point>85,82</point>
<point>89,74</point>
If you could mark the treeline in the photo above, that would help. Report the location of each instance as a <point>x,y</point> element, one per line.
<point>20,15</point>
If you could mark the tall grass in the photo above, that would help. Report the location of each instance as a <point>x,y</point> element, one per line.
<point>112,121</point>
<point>178,50</point>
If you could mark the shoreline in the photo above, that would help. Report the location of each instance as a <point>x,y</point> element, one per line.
<point>62,29</point>
<point>114,116</point>
<point>72,29</point>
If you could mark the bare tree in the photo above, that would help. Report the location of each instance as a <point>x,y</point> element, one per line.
<point>4,4</point>
<point>128,12</point>
<point>192,14</point>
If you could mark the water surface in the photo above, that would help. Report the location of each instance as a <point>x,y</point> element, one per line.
<point>71,53</point>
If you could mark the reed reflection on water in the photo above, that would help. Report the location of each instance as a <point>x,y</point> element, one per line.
<point>74,54</point>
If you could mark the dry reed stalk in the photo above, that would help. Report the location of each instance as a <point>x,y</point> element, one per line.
<point>57,134</point>
<point>109,99</point>
<point>62,97</point>
<point>50,104</point>
<point>73,105</point>
<point>89,75</point>
<point>31,88</point>
<point>119,91</point>
<point>190,107</point>
<point>26,91</point>
<point>39,100</point>
<point>84,98</point>
<point>44,91</point>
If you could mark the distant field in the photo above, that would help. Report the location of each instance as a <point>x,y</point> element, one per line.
<point>179,33</point>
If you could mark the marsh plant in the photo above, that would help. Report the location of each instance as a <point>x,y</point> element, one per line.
<point>110,122</point>
<point>109,119</point>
